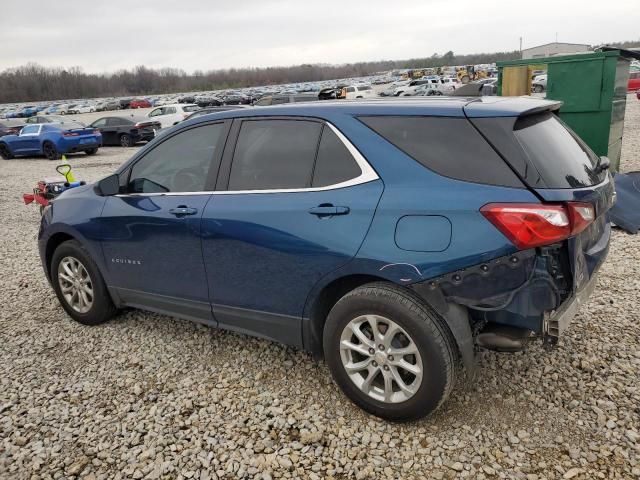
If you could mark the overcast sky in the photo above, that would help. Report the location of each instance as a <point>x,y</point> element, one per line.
<point>103,36</point>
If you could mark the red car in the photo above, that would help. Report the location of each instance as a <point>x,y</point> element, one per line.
<point>634,81</point>
<point>140,103</point>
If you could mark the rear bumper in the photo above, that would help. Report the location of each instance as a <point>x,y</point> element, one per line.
<point>557,322</point>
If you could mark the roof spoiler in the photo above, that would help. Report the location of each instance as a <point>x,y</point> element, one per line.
<point>550,107</point>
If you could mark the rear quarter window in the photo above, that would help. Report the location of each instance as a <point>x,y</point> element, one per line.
<point>448,146</point>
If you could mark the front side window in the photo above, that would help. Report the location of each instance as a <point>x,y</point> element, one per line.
<point>156,112</point>
<point>274,154</point>
<point>179,164</point>
<point>117,121</point>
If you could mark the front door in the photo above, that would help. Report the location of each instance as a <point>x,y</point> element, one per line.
<point>297,205</point>
<point>151,233</point>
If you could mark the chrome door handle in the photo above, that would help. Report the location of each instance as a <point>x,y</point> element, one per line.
<point>182,211</point>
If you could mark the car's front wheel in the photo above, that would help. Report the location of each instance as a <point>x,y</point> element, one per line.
<point>91,151</point>
<point>389,352</point>
<point>79,285</point>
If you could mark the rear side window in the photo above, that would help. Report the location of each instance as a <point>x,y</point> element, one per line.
<point>449,146</point>
<point>560,156</point>
<point>334,163</point>
<point>191,108</point>
<point>274,154</point>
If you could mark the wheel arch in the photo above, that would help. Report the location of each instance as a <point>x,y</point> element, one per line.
<point>53,243</point>
<point>456,317</point>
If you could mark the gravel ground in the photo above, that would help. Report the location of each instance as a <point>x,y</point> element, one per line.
<point>148,396</point>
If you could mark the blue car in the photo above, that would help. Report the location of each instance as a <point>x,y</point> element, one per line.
<point>50,140</point>
<point>391,238</point>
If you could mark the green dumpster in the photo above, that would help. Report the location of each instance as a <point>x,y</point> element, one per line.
<point>592,87</point>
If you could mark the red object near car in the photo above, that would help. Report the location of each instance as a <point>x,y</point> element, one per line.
<point>634,81</point>
<point>137,103</point>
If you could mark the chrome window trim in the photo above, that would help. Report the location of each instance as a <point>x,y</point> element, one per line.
<point>367,174</point>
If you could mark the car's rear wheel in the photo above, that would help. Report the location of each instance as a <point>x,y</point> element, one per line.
<point>125,140</point>
<point>50,151</point>
<point>5,153</point>
<point>79,285</point>
<point>91,151</point>
<point>389,352</point>
<point>538,88</point>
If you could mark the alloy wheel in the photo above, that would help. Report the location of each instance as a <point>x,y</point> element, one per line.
<point>381,359</point>
<point>75,284</point>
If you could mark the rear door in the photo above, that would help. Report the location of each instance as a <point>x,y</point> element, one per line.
<point>295,202</point>
<point>151,233</point>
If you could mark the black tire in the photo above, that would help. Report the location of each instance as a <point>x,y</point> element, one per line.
<point>125,140</point>
<point>102,308</point>
<point>50,151</point>
<point>91,151</point>
<point>424,327</point>
<point>538,88</point>
<point>5,153</point>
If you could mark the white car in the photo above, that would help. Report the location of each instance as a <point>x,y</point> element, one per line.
<point>539,83</point>
<point>169,115</point>
<point>449,84</point>
<point>359,91</point>
<point>410,88</point>
<point>84,108</point>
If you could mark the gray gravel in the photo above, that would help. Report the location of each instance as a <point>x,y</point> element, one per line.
<point>147,396</point>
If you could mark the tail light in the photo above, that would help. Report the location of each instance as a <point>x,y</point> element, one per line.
<point>71,134</point>
<point>530,225</point>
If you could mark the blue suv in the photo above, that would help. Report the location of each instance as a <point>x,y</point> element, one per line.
<point>389,237</point>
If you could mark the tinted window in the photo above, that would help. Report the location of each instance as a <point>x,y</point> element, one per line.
<point>99,123</point>
<point>264,102</point>
<point>168,110</point>
<point>189,108</point>
<point>351,89</point>
<point>334,163</point>
<point>561,157</point>
<point>117,121</point>
<point>30,129</point>
<point>448,146</point>
<point>274,154</point>
<point>364,88</point>
<point>279,100</point>
<point>180,164</point>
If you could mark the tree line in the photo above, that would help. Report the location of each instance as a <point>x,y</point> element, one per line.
<point>33,82</point>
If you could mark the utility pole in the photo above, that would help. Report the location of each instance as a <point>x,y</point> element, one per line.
<point>520,47</point>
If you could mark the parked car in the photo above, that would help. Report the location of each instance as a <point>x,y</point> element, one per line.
<point>409,89</point>
<point>232,99</point>
<point>126,131</point>
<point>539,83</point>
<point>208,101</point>
<point>63,120</point>
<point>358,91</point>
<point>50,140</point>
<point>81,108</point>
<point>425,90</point>
<point>366,233</point>
<point>169,115</point>
<point>139,103</point>
<point>10,127</point>
<point>208,110</point>
<point>634,81</point>
<point>281,99</point>
<point>27,112</point>
<point>125,103</point>
<point>65,108</point>
<point>449,84</point>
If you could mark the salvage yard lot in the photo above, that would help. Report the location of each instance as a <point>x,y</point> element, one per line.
<point>148,396</point>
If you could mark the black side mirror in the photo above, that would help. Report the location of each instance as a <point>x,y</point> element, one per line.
<point>109,186</point>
